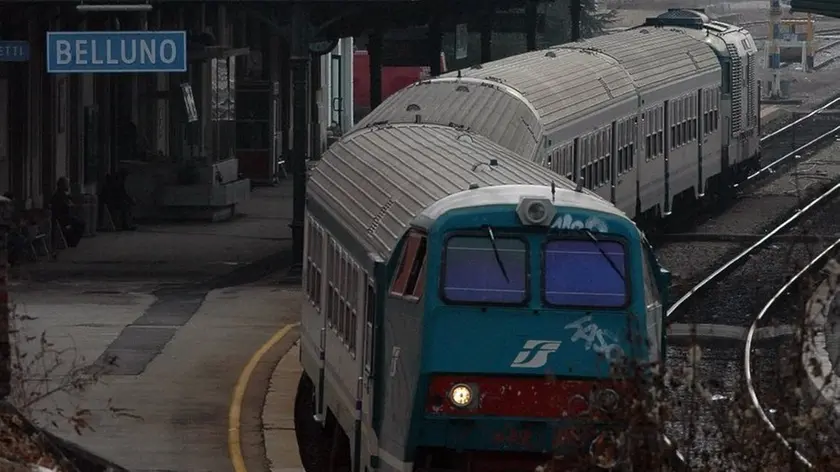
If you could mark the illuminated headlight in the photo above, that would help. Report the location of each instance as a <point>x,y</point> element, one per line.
<point>461,395</point>
<point>535,211</point>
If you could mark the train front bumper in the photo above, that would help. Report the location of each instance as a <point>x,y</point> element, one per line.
<point>603,445</point>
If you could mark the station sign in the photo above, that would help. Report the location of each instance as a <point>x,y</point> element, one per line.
<point>104,52</point>
<point>14,51</point>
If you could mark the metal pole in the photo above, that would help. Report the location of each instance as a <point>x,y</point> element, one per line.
<point>300,75</point>
<point>375,68</point>
<point>5,315</point>
<point>574,8</point>
<point>531,25</point>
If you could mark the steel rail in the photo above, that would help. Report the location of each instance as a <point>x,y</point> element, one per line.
<point>820,259</point>
<point>736,262</point>
<point>800,120</point>
<point>769,167</point>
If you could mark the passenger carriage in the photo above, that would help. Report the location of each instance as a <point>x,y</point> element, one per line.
<point>651,119</point>
<point>465,308</point>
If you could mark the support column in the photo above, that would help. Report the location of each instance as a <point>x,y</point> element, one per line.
<point>487,35</point>
<point>5,315</point>
<point>348,118</point>
<point>435,43</point>
<point>531,24</point>
<point>300,57</point>
<point>574,13</point>
<point>375,66</point>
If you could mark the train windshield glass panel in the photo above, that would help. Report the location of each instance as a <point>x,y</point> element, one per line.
<point>476,272</point>
<point>585,274</point>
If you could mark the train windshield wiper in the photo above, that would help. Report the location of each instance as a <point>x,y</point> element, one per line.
<point>496,253</point>
<point>596,242</point>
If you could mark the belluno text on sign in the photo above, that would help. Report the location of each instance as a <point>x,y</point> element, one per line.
<point>110,52</point>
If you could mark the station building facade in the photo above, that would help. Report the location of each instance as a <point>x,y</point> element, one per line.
<point>188,139</point>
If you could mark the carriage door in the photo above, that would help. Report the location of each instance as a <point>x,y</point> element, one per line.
<point>653,307</point>
<point>612,162</point>
<point>368,374</point>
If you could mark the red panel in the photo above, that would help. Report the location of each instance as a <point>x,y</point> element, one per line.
<point>529,397</point>
<point>255,164</point>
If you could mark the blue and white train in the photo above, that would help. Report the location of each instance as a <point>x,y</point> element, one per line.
<point>466,310</point>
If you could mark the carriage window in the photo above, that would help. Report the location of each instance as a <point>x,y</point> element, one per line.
<point>408,280</point>
<point>472,274</point>
<point>577,273</point>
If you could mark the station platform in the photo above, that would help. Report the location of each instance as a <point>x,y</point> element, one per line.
<point>168,316</point>
<point>281,448</point>
<point>177,253</point>
<point>771,113</point>
<point>821,346</point>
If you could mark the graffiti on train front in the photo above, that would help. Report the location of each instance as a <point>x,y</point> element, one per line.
<point>592,223</point>
<point>600,340</point>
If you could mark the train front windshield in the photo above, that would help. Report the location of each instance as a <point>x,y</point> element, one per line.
<point>498,270</point>
<point>485,270</point>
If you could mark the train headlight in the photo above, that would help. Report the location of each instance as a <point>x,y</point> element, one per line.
<point>535,211</point>
<point>461,395</point>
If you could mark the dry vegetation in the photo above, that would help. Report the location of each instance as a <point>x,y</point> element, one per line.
<point>42,371</point>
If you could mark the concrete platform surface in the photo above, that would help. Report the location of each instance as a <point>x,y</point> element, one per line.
<point>281,448</point>
<point>178,404</point>
<point>177,252</point>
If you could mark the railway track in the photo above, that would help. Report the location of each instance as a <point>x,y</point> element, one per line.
<point>767,372</point>
<point>798,139</point>
<point>732,294</point>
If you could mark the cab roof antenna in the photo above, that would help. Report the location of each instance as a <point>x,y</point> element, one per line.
<point>553,190</point>
<point>579,186</point>
<point>459,73</point>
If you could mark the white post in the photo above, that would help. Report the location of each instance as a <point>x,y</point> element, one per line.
<point>347,53</point>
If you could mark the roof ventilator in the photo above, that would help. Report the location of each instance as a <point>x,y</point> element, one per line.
<point>550,54</point>
<point>462,88</point>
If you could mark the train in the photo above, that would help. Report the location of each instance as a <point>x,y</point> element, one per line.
<point>659,119</point>
<point>467,309</point>
<point>475,263</point>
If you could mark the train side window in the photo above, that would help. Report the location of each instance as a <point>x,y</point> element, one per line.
<point>409,253</point>
<point>370,320</point>
<point>416,284</point>
<point>407,282</point>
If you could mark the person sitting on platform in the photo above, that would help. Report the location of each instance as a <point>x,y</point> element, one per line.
<point>62,206</point>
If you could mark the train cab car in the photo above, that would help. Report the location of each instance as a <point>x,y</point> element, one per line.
<point>503,307</point>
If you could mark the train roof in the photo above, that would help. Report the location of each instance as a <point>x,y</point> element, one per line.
<point>375,181</point>
<point>513,100</point>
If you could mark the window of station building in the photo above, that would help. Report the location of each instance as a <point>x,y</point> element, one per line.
<point>578,274</point>
<point>410,277</point>
<point>472,274</point>
<point>314,263</point>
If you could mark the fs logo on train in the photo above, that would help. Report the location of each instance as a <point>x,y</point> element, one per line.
<point>534,354</point>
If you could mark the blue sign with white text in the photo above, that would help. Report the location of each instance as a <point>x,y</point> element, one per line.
<point>100,52</point>
<point>14,51</point>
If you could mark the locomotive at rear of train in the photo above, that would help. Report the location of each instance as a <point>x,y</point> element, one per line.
<point>466,309</point>
<point>651,119</point>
